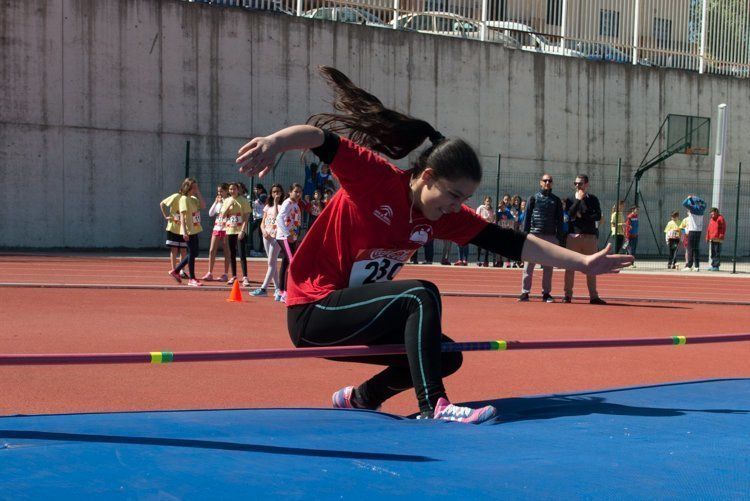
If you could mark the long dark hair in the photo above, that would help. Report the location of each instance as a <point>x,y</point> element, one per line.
<point>366,121</point>
<point>269,200</point>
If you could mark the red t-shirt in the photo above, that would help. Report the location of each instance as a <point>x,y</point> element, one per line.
<point>364,235</point>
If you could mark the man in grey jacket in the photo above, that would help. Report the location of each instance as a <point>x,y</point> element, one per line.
<point>544,219</point>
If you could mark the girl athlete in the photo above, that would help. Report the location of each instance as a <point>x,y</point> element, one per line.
<point>191,204</point>
<point>236,212</point>
<point>375,221</point>
<point>170,209</point>
<point>218,235</point>
<point>268,227</point>
<point>288,224</point>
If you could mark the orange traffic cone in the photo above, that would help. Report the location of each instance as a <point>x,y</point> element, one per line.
<point>236,295</point>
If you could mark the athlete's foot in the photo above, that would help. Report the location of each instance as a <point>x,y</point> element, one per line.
<point>176,276</point>
<point>208,277</point>
<point>194,283</point>
<point>446,411</point>
<point>245,282</point>
<point>223,278</point>
<point>184,275</point>
<point>259,292</point>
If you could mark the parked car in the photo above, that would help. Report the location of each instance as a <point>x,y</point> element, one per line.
<point>449,24</point>
<point>598,51</point>
<point>346,15</point>
<point>530,40</point>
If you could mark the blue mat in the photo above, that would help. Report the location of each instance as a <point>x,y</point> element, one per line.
<point>683,440</point>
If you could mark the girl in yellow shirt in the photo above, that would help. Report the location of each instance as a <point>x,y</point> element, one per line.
<point>170,209</point>
<point>191,204</point>
<point>672,234</point>
<point>235,213</point>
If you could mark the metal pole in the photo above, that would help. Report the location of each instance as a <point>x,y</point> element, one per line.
<point>704,29</point>
<point>563,25</point>
<point>497,181</point>
<point>187,159</point>
<point>636,29</point>
<point>483,26</point>
<point>394,22</point>
<point>737,218</point>
<point>721,144</point>
<point>617,203</point>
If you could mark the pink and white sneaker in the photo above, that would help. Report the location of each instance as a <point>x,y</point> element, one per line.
<point>194,283</point>
<point>176,276</point>
<point>342,399</point>
<point>446,411</point>
<point>208,277</point>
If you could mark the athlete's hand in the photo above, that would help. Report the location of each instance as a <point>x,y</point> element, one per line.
<point>257,156</point>
<point>602,262</point>
<point>186,237</point>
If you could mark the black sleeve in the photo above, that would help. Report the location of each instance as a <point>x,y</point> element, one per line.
<point>327,151</point>
<point>595,209</point>
<point>529,210</point>
<point>559,219</point>
<point>503,241</point>
<point>576,209</point>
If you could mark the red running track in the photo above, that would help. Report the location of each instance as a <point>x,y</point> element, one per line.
<point>39,320</point>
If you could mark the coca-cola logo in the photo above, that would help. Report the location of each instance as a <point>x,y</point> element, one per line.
<point>394,254</point>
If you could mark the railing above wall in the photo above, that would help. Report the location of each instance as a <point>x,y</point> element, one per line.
<point>707,36</point>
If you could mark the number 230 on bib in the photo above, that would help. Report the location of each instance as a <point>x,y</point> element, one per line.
<point>378,265</point>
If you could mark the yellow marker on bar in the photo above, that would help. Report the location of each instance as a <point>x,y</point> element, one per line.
<point>678,340</point>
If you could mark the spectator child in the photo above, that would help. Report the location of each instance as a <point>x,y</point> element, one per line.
<point>236,213</point>
<point>191,204</point>
<point>218,235</point>
<point>288,225</point>
<point>717,229</point>
<point>672,234</point>
<point>631,231</point>
<point>170,209</point>
<point>485,212</point>
<point>268,226</point>
<point>506,220</point>
<point>696,207</point>
<point>617,218</point>
<point>684,235</point>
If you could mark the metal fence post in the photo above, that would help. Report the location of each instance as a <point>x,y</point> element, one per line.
<point>563,24</point>
<point>395,14</point>
<point>497,181</point>
<point>483,26</point>
<point>737,218</point>
<point>617,204</point>
<point>299,8</point>
<point>704,29</point>
<point>636,29</point>
<point>187,159</point>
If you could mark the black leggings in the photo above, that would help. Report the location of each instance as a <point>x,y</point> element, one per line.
<point>673,243</point>
<point>189,259</point>
<point>403,312</point>
<point>285,259</point>
<point>233,241</point>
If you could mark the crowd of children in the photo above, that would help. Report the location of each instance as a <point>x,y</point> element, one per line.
<point>277,219</point>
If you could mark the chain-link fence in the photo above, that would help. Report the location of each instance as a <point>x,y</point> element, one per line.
<point>656,201</point>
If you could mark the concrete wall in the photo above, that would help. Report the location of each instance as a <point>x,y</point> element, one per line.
<point>99,97</point>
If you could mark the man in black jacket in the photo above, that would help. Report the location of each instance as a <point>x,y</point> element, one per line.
<point>583,234</point>
<point>544,219</point>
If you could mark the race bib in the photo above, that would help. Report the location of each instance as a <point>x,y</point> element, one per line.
<point>507,223</point>
<point>234,221</point>
<point>196,218</point>
<point>377,265</point>
<point>673,234</point>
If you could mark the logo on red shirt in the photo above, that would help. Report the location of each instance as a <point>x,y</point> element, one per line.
<point>421,234</point>
<point>384,213</point>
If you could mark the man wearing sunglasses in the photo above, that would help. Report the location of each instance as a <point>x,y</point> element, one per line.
<point>544,219</point>
<point>585,214</point>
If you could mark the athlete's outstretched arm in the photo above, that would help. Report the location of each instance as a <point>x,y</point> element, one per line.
<point>517,245</point>
<point>259,155</point>
<point>540,251</point>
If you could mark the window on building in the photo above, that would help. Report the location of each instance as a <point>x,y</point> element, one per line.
<point>609,23</point>
<point>662,32</point>
<point>554,12</point>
